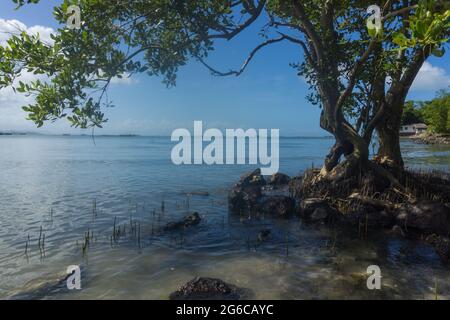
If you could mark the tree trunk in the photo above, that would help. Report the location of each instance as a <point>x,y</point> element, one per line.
<point>348,144</point>
<point>389,127</point>
<point>389,151</point>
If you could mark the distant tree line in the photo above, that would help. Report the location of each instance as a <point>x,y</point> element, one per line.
<point>435,113</point>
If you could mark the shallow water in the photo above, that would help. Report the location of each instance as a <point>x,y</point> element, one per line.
<point>69,185</point>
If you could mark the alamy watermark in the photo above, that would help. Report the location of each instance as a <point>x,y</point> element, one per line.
<point>236,146</point>
<point>74,17</point>
<point>374,280</point>
<point>74,279</point>
<point>374,22</point>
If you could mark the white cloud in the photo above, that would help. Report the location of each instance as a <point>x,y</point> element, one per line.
<point>125,80</point>
<point>8,97</point>
<point>15,27</point>
<point>12,116</point>
<point>431,78</point>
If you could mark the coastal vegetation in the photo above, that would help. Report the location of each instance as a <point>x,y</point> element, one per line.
<point>359,78</point>
<point>435,113</point>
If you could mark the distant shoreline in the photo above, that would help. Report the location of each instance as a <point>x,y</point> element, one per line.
<point>129,135</point>
<point>12,134</point>
<point>431,138</point>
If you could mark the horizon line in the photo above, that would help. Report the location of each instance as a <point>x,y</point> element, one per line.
<point>125,135</point>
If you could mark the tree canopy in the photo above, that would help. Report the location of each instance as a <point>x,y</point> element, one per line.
<point>411,114</point>
<point>120,38</point>
<point>346,65</point>
<point>436,112</point>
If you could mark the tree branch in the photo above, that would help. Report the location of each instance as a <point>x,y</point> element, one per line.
<point>255,13</point>
<point>358,65</point>
<point>303,45</point>
<point>399,12</point>
<point>354,73</point>
<point>299,10</point>
<point>246,62</point>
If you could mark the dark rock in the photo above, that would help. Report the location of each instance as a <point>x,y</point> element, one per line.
<point>429,217</point>
<point>253,178</point>
<point>263,235</point>
<point>370,218</point>
<point>243,199</point>
<point>244,195</point>
<point>397,230</point>
<point>295,187</point>
<point>319,214</point>
<point>279,179</point>
<point>310,204</point>
<point>250,194</point>
<point>375,183</point>
<point>441,245</point>
<point>188,221</point>
<point>316,210</point>
<point>281,206</point>
<point>208,289</point>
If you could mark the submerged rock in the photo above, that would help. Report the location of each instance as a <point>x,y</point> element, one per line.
<point>280,206</point>
<point>208,289</point>
<point>43,287</point>
<point>430,217</point>
<point>188,221</point>
<point>198,193</point>
<point>263,235</point>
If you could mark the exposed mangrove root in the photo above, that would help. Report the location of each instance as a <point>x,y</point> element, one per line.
<point>416,203</point>
<point>374,196</point>
<point>376,186</point>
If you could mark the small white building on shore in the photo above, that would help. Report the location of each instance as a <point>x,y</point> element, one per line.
<point>413,129</point>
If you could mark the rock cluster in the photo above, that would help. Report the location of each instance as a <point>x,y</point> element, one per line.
<point>252,194</point>
<point>425,217</point>
<point>208,289</point>
<point>281,197</point>
<point>431,138</point>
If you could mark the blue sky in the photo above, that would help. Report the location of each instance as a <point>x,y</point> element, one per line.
<point>268,95</point>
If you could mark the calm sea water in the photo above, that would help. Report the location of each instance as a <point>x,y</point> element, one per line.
<point>68,186</point>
